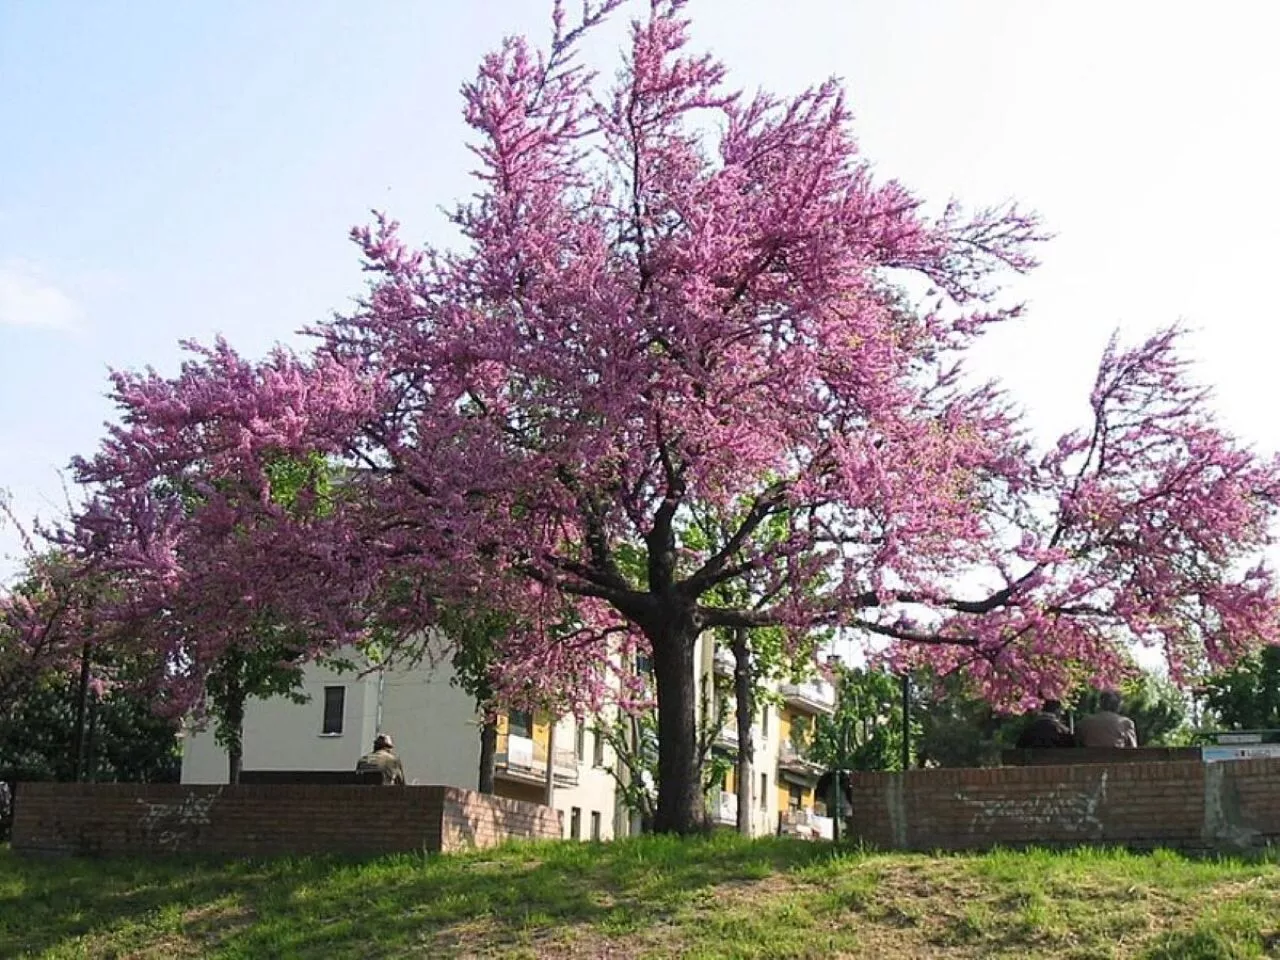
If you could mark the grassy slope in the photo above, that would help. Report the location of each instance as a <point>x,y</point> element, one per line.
<point>657,897</point>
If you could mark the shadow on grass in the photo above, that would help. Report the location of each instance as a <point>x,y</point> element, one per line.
<point>340,907</point>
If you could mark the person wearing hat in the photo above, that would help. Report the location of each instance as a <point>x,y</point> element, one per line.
<point>383,761</point>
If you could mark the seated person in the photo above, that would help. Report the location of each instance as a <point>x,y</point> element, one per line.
<point>1107,728</point>
<point>1046,729</point>
<point>382,760</point>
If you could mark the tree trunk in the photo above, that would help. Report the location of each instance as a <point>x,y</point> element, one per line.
<point>235,742</point>
<point>744,695</point>
<point>681,808</point>
<point>82,705</point>
<point>488,754</point>
<point>91,737</point>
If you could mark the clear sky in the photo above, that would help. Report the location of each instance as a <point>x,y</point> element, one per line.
<point>178,170</point>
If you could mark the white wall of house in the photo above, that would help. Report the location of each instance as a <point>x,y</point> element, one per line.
<point>596,789</point>
<point>281,735</point>
<point>434,724</point>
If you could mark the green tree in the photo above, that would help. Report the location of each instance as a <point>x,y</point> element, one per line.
<point>1248,696</point>
<point>958,729</point>
<point>865,732</point>
<point>124,741</point>
<point>475,632</point>
<point>268,663</point>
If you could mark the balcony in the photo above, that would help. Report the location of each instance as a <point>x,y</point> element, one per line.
<point>811,696</point>
<point>806,825</point>
<point>793,760</point>
<point>728,735</point>
<point>723,808</point>
<point>524,760</point>
<point>722,662</point>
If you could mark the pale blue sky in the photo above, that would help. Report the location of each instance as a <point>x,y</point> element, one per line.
<point>177,170</point>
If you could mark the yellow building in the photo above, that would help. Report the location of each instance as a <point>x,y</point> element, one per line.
<point>783,792</point>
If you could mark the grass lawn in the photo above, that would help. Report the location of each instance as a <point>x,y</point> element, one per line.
<point>648,897</point>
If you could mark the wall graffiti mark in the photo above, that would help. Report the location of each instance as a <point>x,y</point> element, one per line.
<point>170,824</point>
<point>1073,811</point>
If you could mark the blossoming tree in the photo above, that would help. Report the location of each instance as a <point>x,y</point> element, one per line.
<point>673,353</point>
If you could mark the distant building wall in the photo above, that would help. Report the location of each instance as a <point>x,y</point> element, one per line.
<point>1187,805</point>
<point>436,729</point>
<point>252,821</point>
<point>434,724</point>
<point>282,735</point>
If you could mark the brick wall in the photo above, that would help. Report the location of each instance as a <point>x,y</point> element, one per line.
<point>266,820</point>
<point>1187,805</point>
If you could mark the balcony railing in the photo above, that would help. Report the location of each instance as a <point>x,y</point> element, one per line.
<point>724,808</point>
<point>805,824</point>
<point>792,758</point>
<point>525,759</point>
<point>728,735</point>
<point>812,696</point>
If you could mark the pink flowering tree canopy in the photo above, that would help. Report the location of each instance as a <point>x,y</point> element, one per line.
<point>671,364</point>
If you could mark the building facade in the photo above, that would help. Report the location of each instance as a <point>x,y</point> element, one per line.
<point>783,794</point>
<point>436,729</point>
<point>437,734</point>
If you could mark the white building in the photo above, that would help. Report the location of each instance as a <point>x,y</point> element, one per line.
<point>437,735</point>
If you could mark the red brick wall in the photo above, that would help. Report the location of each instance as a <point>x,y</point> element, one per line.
<point>1188,805</point>
<point>266,820</point>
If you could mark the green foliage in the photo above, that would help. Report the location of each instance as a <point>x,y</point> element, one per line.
<point>129,743</point>
<point>1248,696</point>
<point>261,671</point>
<point>633,736</point>
<point>301,484</point>
<point>269,663</point>
<point>958,729</point>
<point>865,732</point>
<point>474,632</point>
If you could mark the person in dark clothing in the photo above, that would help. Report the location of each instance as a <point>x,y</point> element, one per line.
<point>1046,729</point>
<point>382,760</point>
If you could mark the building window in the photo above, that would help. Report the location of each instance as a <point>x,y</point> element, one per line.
<point>764,722</point>
<point>795,797</point>
<point>597,753</point>
<point>580,743</point>
<point>595,824</point>
<point>520,723</point>
<point>575,823</point>
<point>764,791</point>
<point>644,666</point>
<point>335,701</point>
